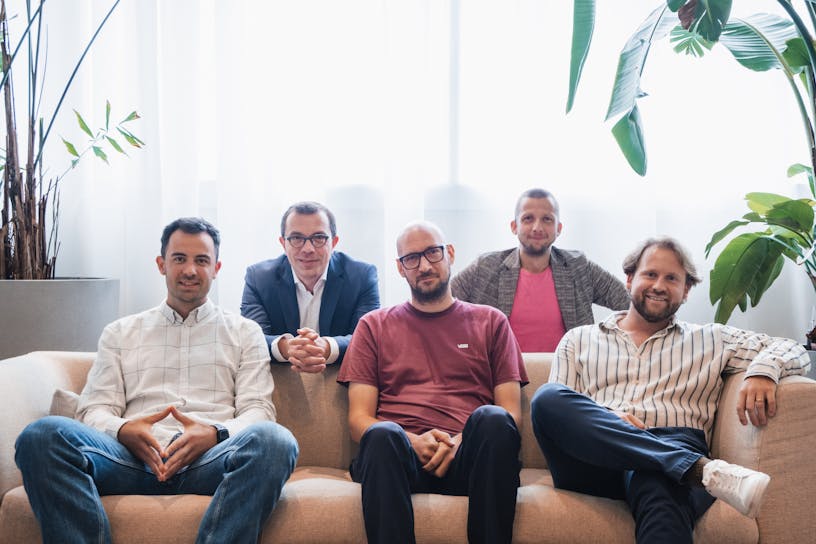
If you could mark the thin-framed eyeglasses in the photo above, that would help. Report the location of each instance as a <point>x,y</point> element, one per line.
<point>317,240</point>
<point>432,254</point>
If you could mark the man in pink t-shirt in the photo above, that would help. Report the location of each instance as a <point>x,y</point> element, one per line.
<point>543,290</point>
<point>434,401</point>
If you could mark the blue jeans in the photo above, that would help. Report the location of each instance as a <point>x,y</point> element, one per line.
<point>67,466</point>
<point>592,450</point>
<point>485,468</point>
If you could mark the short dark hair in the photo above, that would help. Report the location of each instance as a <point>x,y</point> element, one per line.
<point>536,192</point>
<point>631,262</point>
<point>309,207</point>
<point>190,225</point>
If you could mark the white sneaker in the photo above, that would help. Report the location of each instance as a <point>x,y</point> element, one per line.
<point>740,487</point>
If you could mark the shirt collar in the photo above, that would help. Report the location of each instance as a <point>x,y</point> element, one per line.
<point>320,281</point>
<point>196,315</point>
<point>611,323</point>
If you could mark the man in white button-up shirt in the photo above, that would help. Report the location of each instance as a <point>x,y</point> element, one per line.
<point>178,400</point>
<point>631,401</point>
<point>308,301</point>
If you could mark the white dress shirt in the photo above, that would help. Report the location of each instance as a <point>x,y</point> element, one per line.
<point>309,309</point>
<point>213,366</point>
<point>674,378</point>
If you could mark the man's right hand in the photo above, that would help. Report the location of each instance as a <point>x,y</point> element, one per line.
<point>307,351</point>
<point>629,418</point>
<point>136,436</point>
<point>426,444</point>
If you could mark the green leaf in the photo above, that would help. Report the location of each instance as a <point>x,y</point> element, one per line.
<point>710,17</point>
<point>107,115</point>
<point>99,152</point>
<point>757,41</point>
<point>742,267</point>
<point>83,125</point>
<point>114,144</point>
<point>689,43</point>
<point>674,5</point>
<point>795,54</point>
<point>583,25</point>
<point>799,168</point>
<point>761,203</point>
<point>626,88</point>
<point>133,115</point>
<point>70,147</point>
<point>130,138</point>
<point>722,233</point>
<point>766,275</point>
<point>796,215</point>
<point>628,133</point>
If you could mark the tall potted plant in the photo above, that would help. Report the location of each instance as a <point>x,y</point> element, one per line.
<point>750,261</point>
<point>29,218</point>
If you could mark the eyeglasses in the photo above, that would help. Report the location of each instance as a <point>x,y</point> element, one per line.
<point>432,255</point>
<point>318,240</point>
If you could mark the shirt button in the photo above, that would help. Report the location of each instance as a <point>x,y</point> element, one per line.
<point>183,402</point>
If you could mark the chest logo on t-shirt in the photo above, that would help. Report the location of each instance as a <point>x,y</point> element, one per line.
<point>463,346</point>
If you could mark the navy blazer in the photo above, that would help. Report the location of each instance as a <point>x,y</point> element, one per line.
<point>350,292</point>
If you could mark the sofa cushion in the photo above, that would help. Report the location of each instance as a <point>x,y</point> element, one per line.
<point>64,403</point>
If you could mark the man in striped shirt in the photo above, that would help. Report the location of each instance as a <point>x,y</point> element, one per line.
<point>630,403</point>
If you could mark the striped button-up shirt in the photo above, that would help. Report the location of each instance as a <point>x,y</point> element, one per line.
<point>675,377</point>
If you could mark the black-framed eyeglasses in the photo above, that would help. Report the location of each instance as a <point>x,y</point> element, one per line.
<point>317,240</point>
<point>432,255</point>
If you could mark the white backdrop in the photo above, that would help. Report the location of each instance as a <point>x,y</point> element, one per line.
<point>389,111</point>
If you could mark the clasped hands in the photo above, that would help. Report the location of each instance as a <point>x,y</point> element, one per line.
<point>435,449</point>
<point>196,439</point>
<point>308,351</point>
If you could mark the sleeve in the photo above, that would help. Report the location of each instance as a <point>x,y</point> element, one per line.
<point>564,369</point>
<point>360,364</point>
<point>253,308</point>
<point>762,355</point>
<point>102,401</point>
<point>253,381</point>
<point>369,299</point>
<point>607,290</point>
<point>463,283</point>
<point>505,353</point>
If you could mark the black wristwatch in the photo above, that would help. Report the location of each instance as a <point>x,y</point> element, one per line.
<point>221,433</point>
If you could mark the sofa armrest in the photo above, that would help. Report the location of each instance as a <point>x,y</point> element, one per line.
<point>783,449</point>
<point>27,384</point>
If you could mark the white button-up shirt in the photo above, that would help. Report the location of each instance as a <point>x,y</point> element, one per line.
<point>213,366</point>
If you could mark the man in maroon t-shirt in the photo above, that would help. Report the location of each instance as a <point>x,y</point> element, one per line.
<point>434,401</point>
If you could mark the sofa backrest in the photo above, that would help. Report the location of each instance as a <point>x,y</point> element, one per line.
<point>315,408</point>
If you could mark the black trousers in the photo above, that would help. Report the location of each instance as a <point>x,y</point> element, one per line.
<point>485,468</point>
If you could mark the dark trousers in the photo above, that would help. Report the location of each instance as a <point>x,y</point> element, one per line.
<point>592,450</point>
<point>485,468</point>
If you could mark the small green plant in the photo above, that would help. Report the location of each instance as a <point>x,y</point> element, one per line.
<point>29,216</point>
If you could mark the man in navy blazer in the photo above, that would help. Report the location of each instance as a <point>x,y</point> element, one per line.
<point>308,301</point>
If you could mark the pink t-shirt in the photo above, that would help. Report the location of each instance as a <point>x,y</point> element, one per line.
<point>536,317</point>
<point>433,370</point>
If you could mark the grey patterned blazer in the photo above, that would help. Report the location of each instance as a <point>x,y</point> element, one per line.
<point>492,279</point>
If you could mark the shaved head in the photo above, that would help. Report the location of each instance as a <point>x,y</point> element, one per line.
<point>418,227</point>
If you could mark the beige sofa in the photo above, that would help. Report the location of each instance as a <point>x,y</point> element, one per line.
<point>320,504</point>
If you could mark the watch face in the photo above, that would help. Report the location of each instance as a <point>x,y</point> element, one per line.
<point>221,433</point>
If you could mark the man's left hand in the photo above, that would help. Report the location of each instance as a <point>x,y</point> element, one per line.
<point>757,398</point>
<point>196,439</point>
<point>442,459</point>
<point>308,351</point>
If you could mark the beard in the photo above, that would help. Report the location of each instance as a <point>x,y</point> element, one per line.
<point>534,251</point>
<point>653,317</point>
<point>431,294</point>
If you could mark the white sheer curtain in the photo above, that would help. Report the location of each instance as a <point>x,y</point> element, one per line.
<point>389,111</point>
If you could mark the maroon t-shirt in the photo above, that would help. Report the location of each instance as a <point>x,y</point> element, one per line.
<point>433,370</point>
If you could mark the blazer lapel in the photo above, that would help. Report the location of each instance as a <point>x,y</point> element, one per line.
<point>508,281</point>
<point>335,278</point>
<point>287,298</point>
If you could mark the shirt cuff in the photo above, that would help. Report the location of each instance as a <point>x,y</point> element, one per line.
<point>273,347</point>
<point>334,352</point>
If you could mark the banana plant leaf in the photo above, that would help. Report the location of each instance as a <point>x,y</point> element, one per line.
<point>583,26</point>
<point>759,41</point>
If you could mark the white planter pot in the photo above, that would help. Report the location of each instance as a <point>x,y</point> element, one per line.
<point>60,314</point>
